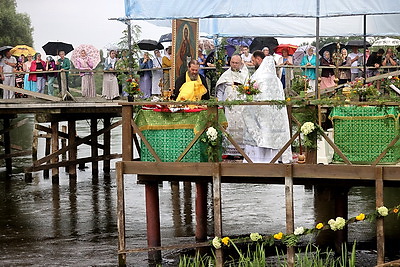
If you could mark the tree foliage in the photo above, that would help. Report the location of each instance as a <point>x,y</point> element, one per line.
<point>15,28</point>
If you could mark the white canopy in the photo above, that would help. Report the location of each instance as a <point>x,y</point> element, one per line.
<point>282,18</point>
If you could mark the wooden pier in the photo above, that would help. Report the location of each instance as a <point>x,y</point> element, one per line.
<point>335,178</point>
<point>61,142</point>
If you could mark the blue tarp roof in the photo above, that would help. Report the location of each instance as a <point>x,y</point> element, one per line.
<point>282,18</point>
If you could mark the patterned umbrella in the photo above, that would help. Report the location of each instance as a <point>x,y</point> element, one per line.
<point>91,52</point>
<point>289,47</point>
<point>22,50</point>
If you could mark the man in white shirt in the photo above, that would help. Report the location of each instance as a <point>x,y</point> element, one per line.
<point>354,57</point>
<point>8,64</point>
<point>246,56</point>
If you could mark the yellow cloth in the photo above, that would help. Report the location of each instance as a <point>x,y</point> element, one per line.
<point>191,90</point>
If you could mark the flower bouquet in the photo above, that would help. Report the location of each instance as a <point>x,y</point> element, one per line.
<point>132,88</point>
<point>213,139</point>
<point>249,89</point>
<point>363,90</point>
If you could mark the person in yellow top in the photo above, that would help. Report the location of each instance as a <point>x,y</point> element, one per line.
<point>191,85</point>
<point>166,63</point>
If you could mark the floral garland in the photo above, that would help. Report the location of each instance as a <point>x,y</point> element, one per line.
<point>291,240</point>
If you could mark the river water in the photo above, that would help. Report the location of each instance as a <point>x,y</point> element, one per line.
<point>74,223</point>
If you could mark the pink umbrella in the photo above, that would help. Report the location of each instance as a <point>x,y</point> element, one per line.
<point>91,52</point>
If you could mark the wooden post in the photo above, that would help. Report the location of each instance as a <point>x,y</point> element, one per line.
<point>127,133</point>
<point>54,149</point>
<point>46,173</point>
<point>7,145</point>
<point>341,210</point>
<point>217,211</point>
<point>380,233</point>
<point>107,146</point>
<point>153,221</point>
<point>72,153</point>
<point>94,150</point>
<point>63,77</point>
<point>289,211</point>
<point>35,140</point>
<point>64,144</point>
<point>121,213</point>
<point>201,211</point>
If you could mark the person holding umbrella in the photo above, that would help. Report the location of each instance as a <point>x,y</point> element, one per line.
<point>327,74</point>
<point>285,60</point>
<point>145,75</point>
<point>63,64</point>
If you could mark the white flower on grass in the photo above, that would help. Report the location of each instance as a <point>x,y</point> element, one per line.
<point>337,224</point>
<point>390,77</point>
<point>383,211</point>
<point>307,127</point>
<point>212,134</point>
<point>255,236</point>
<point>299,231</point>
<point>216,242</point>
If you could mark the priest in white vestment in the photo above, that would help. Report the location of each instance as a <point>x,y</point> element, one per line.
<point>266,127</point>
<point>226,91</point>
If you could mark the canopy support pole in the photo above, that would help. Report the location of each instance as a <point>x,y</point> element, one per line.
<point>365,49</point>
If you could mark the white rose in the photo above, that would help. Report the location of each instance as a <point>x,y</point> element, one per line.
<point>383,211</point>
<point>299,231</point>
<point>212,133</point>
<point>216,242</point>
<point>255,236</point>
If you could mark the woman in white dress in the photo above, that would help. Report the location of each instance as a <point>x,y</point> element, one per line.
<point>110,82</point>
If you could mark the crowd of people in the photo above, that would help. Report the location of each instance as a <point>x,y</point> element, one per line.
<point>154,70</point>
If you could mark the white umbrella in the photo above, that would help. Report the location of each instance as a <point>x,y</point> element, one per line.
<point>387,42</point>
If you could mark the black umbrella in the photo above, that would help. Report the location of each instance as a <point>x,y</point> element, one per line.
<point>52,48</point>
<point>3,49</point>
<point>165,38</point>
<point>357,43</point>
<point>261,42</point>
<point>398,49</point>
<point>149,45</point>
<point>331,47</point>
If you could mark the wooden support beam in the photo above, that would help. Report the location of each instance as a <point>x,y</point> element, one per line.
<point>16,154</point>
<point>289,211</point>
<point>94,151</point>
<point>71,162</point>
<point>144,140</point>
<point>47,151</point>
<point>54,149</point>
<point>233,142</point>
<point>7,145</point>
<point>121,213</point>
<point>64,144</point>
<point>201,211</point>
<point>14,126</point>
<point>391,144</point>
<point>77,143</point>
<point>107,145</point>
<point>35,141</point>
<point>31,93</point>
<point>288,143</point>
<point>191,143</point>
<point>217,202</point>
<point>380,233</point>
<point>72,152</point>
<point>65,135</point>
<point>335,148</point>
<point>127,133</point>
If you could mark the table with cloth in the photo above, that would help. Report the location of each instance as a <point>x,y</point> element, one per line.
<point>169,133</point>
<point>363,132</point>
